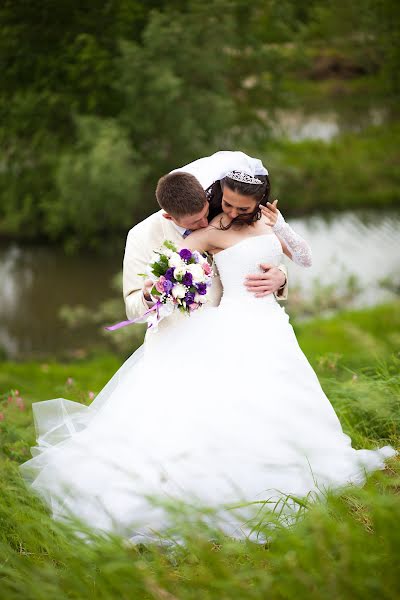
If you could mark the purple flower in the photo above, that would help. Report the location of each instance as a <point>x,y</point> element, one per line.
<point>185,254</point>
<point>196,256</point>
<point>187,279</point>
<point>202,288</point>
<point>167,285</point>
<point>169,274</point>
<point>189,298</point>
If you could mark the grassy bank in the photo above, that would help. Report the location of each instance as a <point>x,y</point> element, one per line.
<point>345,548</point>
<point>352,171</point>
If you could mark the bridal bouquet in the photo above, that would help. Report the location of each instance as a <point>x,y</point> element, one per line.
<point>181,280</point>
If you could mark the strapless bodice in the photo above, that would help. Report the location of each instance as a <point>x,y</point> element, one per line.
<point>244,258</point>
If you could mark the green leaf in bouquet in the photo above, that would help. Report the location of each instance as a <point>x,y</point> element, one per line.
<point>163,262</point>
<point>159,267</point>
<point>154,269</point>
<point>170,245</point>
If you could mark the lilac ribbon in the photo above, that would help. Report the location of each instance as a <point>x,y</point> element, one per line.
<point>121,324</point>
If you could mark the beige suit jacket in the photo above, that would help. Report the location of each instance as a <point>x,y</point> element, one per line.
<point>142,240</point>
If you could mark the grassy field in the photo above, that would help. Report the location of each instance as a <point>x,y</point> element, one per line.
<point>344,548</point>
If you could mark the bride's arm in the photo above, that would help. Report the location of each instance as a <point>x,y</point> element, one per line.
<point>293,245</point>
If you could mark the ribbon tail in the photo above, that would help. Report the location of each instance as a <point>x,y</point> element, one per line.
<point>118,325</point>
<point>131,321</point>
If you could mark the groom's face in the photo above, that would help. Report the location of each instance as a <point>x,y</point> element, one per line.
<point>193,222</point>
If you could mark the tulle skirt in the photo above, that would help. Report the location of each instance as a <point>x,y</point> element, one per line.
<point>219,410</point>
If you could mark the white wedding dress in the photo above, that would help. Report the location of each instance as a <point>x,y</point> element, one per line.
<point>220,408</point>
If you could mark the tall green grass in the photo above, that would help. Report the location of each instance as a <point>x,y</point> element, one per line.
<point>345,547</point>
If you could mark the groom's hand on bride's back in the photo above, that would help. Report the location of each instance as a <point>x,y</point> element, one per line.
<point>268,282</point>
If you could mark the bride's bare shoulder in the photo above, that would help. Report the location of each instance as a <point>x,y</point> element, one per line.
<point>215,222</point>
<point>202,239</point>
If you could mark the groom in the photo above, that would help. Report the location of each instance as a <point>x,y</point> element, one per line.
<point>184,208</point>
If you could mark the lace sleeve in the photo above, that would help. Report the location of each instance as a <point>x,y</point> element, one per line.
<point>298,247</point>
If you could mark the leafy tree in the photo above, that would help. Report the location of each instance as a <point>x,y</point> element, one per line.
<point>367,30</point>
<point>177,105</point>
<point>155,84</point>
<point>98,185</point>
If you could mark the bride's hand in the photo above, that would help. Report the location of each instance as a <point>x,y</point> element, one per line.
<point>270,212</point>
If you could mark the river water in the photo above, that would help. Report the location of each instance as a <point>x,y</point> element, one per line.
<point>36,282</point>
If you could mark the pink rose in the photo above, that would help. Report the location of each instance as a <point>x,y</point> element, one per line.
<point>193,306</point>
<point>206,268</point>
<point>91,395</point>
<point>160,284</point>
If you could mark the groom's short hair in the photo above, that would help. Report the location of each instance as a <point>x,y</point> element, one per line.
<point>180,194</point>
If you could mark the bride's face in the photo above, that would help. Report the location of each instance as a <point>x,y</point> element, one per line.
<point>235,204</point>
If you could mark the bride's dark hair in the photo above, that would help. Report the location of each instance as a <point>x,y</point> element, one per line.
<point>259,192</point>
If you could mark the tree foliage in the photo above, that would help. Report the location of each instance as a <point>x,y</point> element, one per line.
<point>156,84</point>
<point>97,182</point>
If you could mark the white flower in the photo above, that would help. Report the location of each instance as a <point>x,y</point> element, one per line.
<point>179,272</point>
<point>150,273</point>
<point>200,299</point>
<point>175,260</point>
<point>197,273</point>
<point>155,257</point>
<point>179,291</point>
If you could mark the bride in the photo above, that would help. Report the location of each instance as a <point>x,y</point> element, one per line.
<point>186,418</point>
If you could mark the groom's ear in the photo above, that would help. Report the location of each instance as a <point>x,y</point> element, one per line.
<point>167,216</point>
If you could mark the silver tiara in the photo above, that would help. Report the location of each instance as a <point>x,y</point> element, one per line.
<point>243,177</point>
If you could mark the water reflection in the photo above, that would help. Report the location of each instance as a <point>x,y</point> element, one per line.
<point>298,125</point>
<point>367,246</point>
<point>36,282</point>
